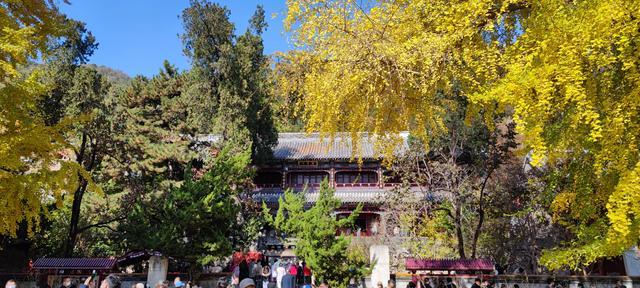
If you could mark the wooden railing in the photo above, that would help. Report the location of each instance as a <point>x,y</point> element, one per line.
<point>356,233</point>
<point>303,185</point>
<point>337,185</point>
<point>356,184</point>
<point>268,185</point>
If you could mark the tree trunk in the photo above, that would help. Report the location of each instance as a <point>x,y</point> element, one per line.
<point>70,242</point>
<point>458,220</point>
<point>476,233</point>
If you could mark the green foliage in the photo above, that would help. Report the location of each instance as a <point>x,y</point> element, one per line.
<point>192,221</point>
<point>317,242</point>
<point>83,129</point>
<point>80,94</point>
<point>231,77</point>
<point>96,211</point>
<point>152,131</point>
<point>59,70</point>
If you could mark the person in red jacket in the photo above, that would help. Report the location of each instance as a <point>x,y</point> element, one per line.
<point>289,280</point>
<point>307,275</point>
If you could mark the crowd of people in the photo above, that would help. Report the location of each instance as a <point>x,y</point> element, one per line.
<point>111,281</point>
<point>278,274</point>
<point>293,276</point>
<point>425,282</point>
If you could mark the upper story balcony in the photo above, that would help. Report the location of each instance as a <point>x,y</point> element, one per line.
<point>306,179</point>
<point>312,179</point>
<point>340,185</point>
<point>356,179</point>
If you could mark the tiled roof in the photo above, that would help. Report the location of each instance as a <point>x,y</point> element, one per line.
<point>414,264</point>
<point>75,263</point>
<point>361,195</point>
<point>303,146</point>
<point>310,146</point>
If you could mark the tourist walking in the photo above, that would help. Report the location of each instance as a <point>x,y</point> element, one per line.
<point>67,282</point>
<point>425,282</point>
<point>243,268</point>
<point>619,284</point>
<point>450,283</point>
<point>247,283</point>
<point>265,274</point>
<point>255,270</point>
<point>289,280</point>
<point>307,275</point>
<point>280,273</point>
<point>10,284</point>
<point>551,283</point>
<point>111,281</point>
<point>300,275</point>
<point>391,284</point>
<point>178,283</point>
<point>476,283</point>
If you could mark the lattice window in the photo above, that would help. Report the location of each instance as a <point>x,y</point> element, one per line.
<point>308,163</point>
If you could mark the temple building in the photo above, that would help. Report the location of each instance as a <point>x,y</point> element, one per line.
<point>302,161</point>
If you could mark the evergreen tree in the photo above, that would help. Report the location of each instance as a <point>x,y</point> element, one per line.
<point>78,94</point>
<point>316,231</point>
<point>152,132</point>
<point>194,221</point>
<point>232,78</point>
<point>91,138</point>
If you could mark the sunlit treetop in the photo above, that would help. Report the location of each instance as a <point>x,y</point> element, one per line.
<point>567,71</point>
<point>32,166</point>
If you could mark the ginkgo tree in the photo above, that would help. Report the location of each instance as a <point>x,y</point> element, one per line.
<point>33,170</point>
<point>567,71</point>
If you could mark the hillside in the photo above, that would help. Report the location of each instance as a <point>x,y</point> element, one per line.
<point>113,75</point>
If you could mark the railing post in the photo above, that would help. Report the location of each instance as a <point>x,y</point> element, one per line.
<point>332,177</point>
<point>284,179</point>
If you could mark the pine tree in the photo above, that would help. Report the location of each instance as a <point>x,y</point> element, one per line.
<point>232,78</point>
<point>152,132</point>
<point>193,221</point>
<point>316,229</point>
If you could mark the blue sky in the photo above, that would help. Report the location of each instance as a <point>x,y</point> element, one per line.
<point>135,36</point>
